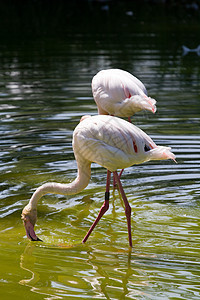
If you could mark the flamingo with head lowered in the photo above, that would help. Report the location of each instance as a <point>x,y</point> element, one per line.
<point>110,142</point>
<point>119,93</point>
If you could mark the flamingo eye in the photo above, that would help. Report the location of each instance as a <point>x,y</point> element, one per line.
<point>146,148</point>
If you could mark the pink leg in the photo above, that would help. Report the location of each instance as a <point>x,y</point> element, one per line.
<point>120,173</point>
<point>103,209</point>
<point>114,181</point>
<point>127,206</point>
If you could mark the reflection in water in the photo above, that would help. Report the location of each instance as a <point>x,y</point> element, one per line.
<point>27,263</point>
<point>106,284</point>
<point>98,274</point>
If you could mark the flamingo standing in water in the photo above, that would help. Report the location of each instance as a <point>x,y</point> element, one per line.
<point>119,93</point>
<point>110,142</point>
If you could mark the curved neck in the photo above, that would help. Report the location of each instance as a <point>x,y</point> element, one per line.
<point>76,186</point>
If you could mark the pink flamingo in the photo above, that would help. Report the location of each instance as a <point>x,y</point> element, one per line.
<point>110,142</point>
<point>119,93</point>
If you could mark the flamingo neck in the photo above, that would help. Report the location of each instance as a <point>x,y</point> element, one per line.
<point>76,186</point>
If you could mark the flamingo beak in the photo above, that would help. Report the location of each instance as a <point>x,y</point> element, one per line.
<point>169,155</point>
<point>154,109</point>
<point>151,104</point>
<point>29,227</point>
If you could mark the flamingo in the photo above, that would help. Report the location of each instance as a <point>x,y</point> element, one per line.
<point>110,142</point>
<point>119,93</point>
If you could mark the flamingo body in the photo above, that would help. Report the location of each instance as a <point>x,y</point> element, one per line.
<point>114,143</point>
<point>119,93</point>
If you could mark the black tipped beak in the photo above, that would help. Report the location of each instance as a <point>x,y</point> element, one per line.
<point>34,240</point>
<point>39,240</point>
<point>30,231</point>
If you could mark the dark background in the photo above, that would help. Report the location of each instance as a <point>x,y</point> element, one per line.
<point>50,17</point>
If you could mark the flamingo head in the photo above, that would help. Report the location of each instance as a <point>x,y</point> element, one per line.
<point>161,153</point>
<point>143,102</point>
<point>29,217</point>
<point>149,104</point>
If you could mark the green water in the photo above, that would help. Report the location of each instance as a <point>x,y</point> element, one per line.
<point>45,88</point>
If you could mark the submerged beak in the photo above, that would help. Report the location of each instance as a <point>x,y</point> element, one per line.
<point>29,227</point>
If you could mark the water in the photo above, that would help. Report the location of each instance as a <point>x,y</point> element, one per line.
<point>45,89</point>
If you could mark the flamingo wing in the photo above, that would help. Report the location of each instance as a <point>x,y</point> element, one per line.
<point>114,143</point>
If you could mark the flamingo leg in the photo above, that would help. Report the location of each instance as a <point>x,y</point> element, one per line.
<point>127,206</point>
<point>114,181</point>
<point>103,209</point>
